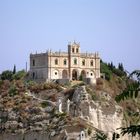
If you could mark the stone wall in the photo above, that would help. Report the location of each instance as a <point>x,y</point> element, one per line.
<point>89,80</point>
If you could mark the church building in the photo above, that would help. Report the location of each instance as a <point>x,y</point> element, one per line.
<point>72,65</point>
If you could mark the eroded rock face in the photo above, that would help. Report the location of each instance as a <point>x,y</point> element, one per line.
<point>80,95</point>
<point>106,122</point>
<point>106,117</point>
<point>102,114</point>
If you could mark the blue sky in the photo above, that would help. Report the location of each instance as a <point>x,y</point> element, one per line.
<point>110,27</point>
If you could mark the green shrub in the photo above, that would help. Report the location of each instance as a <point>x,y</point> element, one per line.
<point>106,70</point>
<point>107,76</point>
<point>94,97</point>
<point>109,69</point>
<point>61,115</point>
<point>30,83</point>
<point>7,75</point>
<point>1,82</point>
<point>118,72</point>
<point>19,75</point>
<point>89,131</point>
<point>13,91</point>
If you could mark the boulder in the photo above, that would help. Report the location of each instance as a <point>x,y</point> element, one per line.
<point>53,133</point>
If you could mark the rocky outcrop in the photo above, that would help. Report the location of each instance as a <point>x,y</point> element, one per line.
<point>106,117</point>
<point>29,116</point>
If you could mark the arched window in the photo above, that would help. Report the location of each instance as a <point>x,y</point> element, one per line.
<point>83,62</point>
<point>73,50</point>
<point>77,50</point>
<point>56,61</point>
<point>33,62</point>
<point>75,61</point>
<point>91,63</point>
<point>33,76</point>
<point>65,62</point>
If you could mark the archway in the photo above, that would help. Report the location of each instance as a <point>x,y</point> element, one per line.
<point>74,75</point>
<point>64,74</point>
<point>83,74</point>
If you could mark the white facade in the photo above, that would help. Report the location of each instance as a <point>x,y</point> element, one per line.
<point>71,65</point>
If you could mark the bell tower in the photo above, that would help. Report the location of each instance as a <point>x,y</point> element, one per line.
<point>74,48</point>
<point>73,53</point>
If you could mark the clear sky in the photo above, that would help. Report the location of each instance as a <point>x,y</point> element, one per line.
<point>110,27</point>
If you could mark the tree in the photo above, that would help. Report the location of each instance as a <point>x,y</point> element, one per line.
<point>7,75</point>
<point>120,67</point>
<point>111,66</point>
<point>132,91</point>
<point>14,69</point>
<point>19,75</point>
<point>119,72</point>
<point>106,70</point>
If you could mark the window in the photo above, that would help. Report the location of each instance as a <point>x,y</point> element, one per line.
<point>65,62</point>
<point>83,62</point>
<point>73,50</point>
<point>33,62</point>
<point>56,61</point>
<point>55,73</point>
<point>33,76</point>
<point>75,61</point>
<point>91,74</point>
<point>77,50</point>
<point>91,63</point>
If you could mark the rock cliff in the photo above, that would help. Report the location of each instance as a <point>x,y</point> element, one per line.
<point>57,113</point>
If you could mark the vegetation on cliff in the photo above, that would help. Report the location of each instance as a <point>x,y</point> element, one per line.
<point>27,110</point>
<point>131,93</point>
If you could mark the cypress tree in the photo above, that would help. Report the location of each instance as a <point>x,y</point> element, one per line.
<point>14,69</point>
